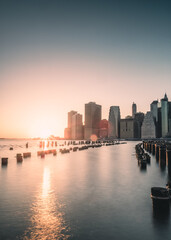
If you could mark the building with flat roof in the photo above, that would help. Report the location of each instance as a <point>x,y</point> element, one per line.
<point>92,120</point>
<point>127,128</point>
<point>114,122</point>
<point>77,127</point>
<point>164,116</point>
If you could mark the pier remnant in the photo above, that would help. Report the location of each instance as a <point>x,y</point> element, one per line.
<point>4,161</point>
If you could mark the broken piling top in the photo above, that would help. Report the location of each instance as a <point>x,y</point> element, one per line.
<point>4,161</point>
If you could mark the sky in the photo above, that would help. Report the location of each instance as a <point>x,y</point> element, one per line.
<point>55,56</point>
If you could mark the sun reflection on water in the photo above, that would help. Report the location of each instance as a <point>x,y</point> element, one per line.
<point>47,220</point>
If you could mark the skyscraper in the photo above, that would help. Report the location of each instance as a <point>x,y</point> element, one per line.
<point>114,122</point>
<point>92,119</point>
<point>148,129</point>
<point>70,114</point>
<point>68,130</point>
<point>134,109</point>
<point>138,120</point>
<point>77,127</point>
<point>154,111</point>
<point>164,116</point>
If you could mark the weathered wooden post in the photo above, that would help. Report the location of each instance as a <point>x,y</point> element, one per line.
<point>168,158</point>
<point>4,161</point>
<point>157,151</point>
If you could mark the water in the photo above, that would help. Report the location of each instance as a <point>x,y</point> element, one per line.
<point>98,193</point>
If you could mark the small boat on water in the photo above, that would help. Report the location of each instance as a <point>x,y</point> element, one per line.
<point>160,196</point>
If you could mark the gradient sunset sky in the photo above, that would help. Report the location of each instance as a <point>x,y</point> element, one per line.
<point>55,56</point>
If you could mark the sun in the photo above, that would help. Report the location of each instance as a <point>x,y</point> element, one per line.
<point>40,130</point>
<point>44,133</point>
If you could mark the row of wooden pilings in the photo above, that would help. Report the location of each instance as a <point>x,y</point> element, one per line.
<point>19,157</point>
<point>161,150</point>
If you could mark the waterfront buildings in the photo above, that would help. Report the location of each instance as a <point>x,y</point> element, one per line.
<point>148,129</point>
<point>134,109</point>
<point>155,124</point>
<point>75,126</point>
<point>127,128</point>
<point>103,129</point>
<point>164,116</point>
<point>114,122</point>
<point>92,120</point>
<point>138,120</point>
<point>154,111</point>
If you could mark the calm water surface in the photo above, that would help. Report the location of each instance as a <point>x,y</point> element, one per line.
<point>93,194</point>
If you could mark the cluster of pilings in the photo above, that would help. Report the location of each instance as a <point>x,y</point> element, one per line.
<point>76,146</point>
<point>142,157</point>
<point>45,152</point>
<point>44,144</point>
<point>162,152</point>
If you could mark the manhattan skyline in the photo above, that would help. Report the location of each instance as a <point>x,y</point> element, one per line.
<point>58,55</point>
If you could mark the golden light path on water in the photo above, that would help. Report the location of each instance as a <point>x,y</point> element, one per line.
<point>47,221</point>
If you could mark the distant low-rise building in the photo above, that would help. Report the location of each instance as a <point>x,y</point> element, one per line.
<point>67,133</point>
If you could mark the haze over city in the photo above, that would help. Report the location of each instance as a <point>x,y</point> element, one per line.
<point>58,55</point>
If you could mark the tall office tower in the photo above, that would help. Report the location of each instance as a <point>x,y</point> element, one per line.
<point>154,111</point>
<point>164,116</point>
<point>68,130</point>
<point>114,122</point>
<point>138,120</point>
<point>148,129</point>
<point>134,109</point>
<point>70,114</point>
<point>169,121</point>
<point>77,127</point>
<point>92,119</point>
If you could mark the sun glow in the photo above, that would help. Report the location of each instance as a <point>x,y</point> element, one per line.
<point>40,129</point>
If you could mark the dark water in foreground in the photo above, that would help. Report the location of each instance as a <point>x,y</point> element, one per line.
<point>92,194</point>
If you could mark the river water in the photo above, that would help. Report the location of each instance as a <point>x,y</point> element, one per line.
<point>95,194</point>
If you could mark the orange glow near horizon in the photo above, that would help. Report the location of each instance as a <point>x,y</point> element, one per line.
<point>37,95</point>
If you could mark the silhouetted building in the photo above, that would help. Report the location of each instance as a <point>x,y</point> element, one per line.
<point>154,111</point>
<point>127,128</point>
<point>103,129</point>
<point>92,119</point>
<point>114,122</point>
<point>77,127</point>
<point>138,120</point>
<point>148,129</point>
<point>134,109</point>
<point>164,116</point>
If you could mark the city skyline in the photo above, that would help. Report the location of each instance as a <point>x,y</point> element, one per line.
<point>56,56</point>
